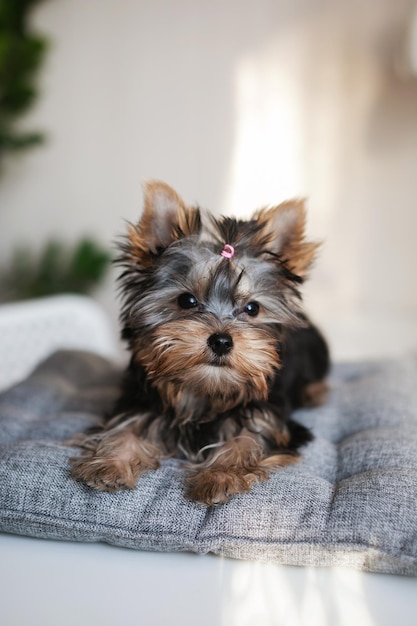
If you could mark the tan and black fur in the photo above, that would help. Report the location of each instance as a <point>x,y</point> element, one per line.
<point>221,350</point>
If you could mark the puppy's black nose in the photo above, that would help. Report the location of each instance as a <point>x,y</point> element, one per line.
<point>220,343</point>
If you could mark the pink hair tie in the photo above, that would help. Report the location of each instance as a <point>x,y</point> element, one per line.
<point>228,251</point>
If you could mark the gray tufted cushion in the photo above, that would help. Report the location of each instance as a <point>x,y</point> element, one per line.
<point>350,501</point>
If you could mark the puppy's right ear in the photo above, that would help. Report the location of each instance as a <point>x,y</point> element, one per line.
<point>165,219</point>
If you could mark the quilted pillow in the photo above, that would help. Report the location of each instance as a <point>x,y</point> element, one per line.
<point>350,501</point>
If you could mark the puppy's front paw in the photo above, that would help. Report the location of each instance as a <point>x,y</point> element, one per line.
<point>112,461</point>
<point>105,474</point>
<point>215,486</point>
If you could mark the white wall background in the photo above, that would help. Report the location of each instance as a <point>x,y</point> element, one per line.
<point>237,104</point>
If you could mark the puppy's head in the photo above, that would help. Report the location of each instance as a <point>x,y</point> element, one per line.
<point>205,298</point>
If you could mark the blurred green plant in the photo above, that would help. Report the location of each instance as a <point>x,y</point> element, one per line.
<point>21,54</point>
<point>56,269</point>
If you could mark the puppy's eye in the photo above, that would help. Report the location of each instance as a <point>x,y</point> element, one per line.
<point>187,301</point>
<point>252,309</point>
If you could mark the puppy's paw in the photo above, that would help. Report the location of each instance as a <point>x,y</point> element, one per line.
<point>315,394</point>
<point>105,474</point>
<point>216,486</point>
<point>113,460</point>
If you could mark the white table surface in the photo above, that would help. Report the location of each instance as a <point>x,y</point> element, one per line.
<point>46,583</point>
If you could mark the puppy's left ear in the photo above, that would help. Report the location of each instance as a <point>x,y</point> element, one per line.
<point>284,230</point>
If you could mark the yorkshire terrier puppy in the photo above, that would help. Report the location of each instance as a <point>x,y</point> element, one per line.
<point>221,351</point>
